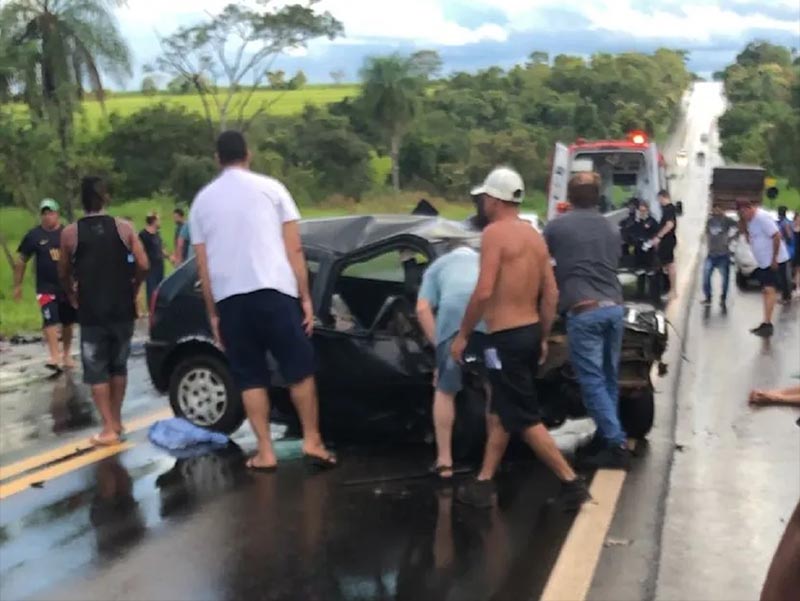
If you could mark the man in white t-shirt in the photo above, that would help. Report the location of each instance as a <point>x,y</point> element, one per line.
<point>253,273</point>
<point>770,254</point>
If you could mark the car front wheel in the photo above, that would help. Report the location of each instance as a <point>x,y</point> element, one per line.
<point>202,391</point>
<point>637,412</point>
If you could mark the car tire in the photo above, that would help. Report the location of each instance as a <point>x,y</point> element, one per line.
<point>741,281</point>
<point>202,391</point>
<point>637,413</point>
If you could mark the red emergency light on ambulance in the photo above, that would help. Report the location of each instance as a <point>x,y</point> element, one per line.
<point>628,168</point>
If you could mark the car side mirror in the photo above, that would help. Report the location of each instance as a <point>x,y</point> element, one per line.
<point>679,207</point>
<point>383,313</point>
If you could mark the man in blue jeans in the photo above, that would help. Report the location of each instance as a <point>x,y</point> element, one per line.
<point>720,230</point>
<point>586,251</point>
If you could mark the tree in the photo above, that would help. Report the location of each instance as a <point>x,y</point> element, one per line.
<point>297,82</point>
<point>72,42</point>
<point>277,79</point>
<point>189,174</point>
<point>390,92</point>
<point>52,50</point>
<point>426,64</point>
<point>538,57</point>
<point>338,76</point>
<point>236,48</point>
<point>149,86</point>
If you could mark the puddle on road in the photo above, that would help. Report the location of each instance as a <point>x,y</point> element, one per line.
<point>44,411</point>
<point>316,536</point>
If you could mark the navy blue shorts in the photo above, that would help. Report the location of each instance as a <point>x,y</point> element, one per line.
<point>261,322</point>
<point>767,277</point>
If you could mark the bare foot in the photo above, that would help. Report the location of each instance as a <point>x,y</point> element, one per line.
<point>264,464</point>
<point>105,439</point>
<point>68,362</point>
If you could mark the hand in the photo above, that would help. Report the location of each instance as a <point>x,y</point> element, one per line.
<point>774,265</point>
<point>458,348</point>
<point>17,293</point>
<point>215,331</point>
<point>543,353</point>
<point>308,316</point>
<point>655,242</point>
<point>73,300</point>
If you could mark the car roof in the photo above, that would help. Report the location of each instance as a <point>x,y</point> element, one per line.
<point>343,235</point>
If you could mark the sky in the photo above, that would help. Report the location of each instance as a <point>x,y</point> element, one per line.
<point>474,34</point>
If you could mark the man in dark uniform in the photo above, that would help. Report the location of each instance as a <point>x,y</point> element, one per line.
<point>154,247</point>
<point>44,242</point>
<point>105,258</point>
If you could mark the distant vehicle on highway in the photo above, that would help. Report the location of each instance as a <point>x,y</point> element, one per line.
<point>700,157</point>
<point>375,368</point>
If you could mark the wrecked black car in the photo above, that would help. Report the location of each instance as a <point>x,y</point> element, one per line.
<point>374,366</point>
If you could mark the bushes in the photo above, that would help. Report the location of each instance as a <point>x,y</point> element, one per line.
<point>145,145</point>
<point>189,174</point>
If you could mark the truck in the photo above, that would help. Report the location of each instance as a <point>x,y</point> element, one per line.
<point>729,184</point>
<point>733,182</point>
<point>633,166</point>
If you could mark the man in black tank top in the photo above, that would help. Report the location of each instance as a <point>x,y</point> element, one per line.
<point>102,265</point>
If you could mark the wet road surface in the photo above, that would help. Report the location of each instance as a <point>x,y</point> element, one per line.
<point>144,525</point>
<point>735,479</point>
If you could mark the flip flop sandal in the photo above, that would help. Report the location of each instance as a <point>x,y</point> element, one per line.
<point>261,469</point>
<point>320,463</point>
<point>439,470</point>
<point>98,442</point>
<point>54,366</point>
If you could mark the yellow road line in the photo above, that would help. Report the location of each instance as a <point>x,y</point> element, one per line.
<point>75,446</point>
<point>59,469</point>
<point>572,575</point>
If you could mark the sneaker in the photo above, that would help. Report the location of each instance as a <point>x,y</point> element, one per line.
<point>610,458</point>
<point>723,307</point>
<point>765,330</point>
<point>478,493</point>
<point>573,494</point>
<point>706,302</point>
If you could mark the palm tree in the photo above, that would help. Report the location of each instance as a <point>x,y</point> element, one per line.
<point>68,44</point>
<point>390,91</point>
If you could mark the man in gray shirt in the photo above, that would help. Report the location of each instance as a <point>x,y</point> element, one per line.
<point>586,251</point>
<point>719,231</point>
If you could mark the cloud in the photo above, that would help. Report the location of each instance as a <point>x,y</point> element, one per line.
<point>471,34</point>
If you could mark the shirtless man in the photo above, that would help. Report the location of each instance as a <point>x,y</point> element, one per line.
<point>516,295</point>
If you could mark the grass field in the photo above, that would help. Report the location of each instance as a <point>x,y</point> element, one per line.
<point>280,103</point>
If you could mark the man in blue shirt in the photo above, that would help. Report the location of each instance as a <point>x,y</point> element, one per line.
<point>446,289</point>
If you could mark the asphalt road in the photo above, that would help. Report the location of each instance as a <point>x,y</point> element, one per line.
<point>698,517</point>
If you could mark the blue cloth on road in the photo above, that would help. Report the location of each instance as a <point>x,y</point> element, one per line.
<point>178,434</point>
<point>595,346</point>
<point>448,285</point>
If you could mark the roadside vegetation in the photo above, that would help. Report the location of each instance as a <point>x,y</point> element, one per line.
<point>402,132</point>
<point>762,123</point>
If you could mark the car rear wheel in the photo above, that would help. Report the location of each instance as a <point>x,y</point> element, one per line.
<point>741,281</point>
<point>202,391</point>
<point>637,412</point>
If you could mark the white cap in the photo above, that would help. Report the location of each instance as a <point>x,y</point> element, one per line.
<point>503,183</point>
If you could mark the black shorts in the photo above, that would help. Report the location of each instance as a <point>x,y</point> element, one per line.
<point>58,311</point>
<point>512,358</point>
<point>253,324</point>
<point>666,251</point>
<point>767,277</point>
<point>105,351</point>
